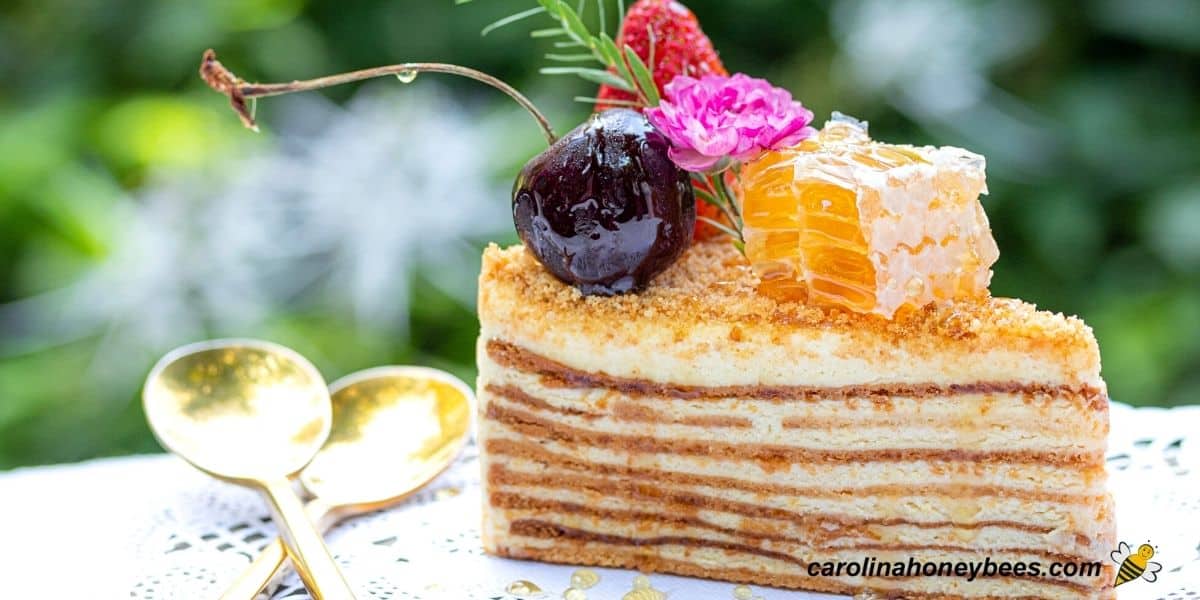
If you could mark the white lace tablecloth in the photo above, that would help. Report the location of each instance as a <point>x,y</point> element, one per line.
<point>150,527</point>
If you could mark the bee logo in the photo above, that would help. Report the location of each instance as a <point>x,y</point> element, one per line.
<point>1135,564</point>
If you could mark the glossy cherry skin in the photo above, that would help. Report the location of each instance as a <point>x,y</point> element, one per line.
<point>604,208</point>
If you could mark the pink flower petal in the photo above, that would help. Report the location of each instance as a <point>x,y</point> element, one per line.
<point>690,160</point>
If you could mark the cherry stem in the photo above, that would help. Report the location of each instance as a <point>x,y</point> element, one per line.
<point>238,91</point>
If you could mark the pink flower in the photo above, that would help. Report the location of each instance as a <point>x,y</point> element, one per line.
<point>714,118</point>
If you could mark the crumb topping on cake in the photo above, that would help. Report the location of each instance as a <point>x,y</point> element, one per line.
<point>712,281</point>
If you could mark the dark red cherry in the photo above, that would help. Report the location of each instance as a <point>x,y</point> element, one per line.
<point>604,208</point>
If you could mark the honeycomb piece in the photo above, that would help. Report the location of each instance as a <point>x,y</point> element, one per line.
<point>872,227</point>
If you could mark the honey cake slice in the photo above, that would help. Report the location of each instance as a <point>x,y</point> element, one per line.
<point>700,428</point>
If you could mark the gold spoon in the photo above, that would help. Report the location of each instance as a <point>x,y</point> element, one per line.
<point>252,413</point>
<point>414,420</point>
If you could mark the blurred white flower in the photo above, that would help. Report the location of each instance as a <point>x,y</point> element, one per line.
<point>931,60</point>
<point>339,217</point>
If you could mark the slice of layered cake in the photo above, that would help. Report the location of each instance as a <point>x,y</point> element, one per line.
<point>844,408</point>
<point>703,429</point>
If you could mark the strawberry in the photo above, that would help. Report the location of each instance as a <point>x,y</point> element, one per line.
<point>680,46</point>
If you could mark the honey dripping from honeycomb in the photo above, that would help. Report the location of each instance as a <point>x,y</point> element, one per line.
<point>841,219</point>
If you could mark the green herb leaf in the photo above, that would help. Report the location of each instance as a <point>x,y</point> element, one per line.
<point>723,228</point>
<point>613,56</point>
<point>570,57</point>
<point>512,19</point>
<point>608,49</point>
<point>593,75</point>
<point>706,197</point>
<point>551,32</point>
<point>609,101</point>
<point>574,26</point>
<point>642,74</point>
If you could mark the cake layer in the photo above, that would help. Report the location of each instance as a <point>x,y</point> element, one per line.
<point>1035,421</point>
<point>702,324</point>
<point>551,545</point>
<point>911,519</point>
<point>817,531</point>
<point>532,527</point>
<point>857,477</point>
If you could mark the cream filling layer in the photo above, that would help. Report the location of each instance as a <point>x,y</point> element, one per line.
<point>1088,516</point>
<point>978,422</point>
<point>768,355</point>
<point>815,532</point>
<point>1027,477</point>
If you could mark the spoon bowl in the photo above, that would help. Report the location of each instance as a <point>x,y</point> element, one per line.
<point>253,413</point>
<point>394,430</point>
<point>239,409</point>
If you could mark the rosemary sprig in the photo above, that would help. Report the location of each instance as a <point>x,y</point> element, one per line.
<point>594,75</point>
<point>722,198</point>
<point>621,68</point>
<point>727,196</point>
<point>723,228</point>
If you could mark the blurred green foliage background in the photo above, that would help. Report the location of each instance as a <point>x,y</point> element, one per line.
<point>1089,113</point>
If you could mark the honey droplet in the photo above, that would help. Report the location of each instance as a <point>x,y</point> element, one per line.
<point>574,593</point>
<point>867,595</point>
<point>641,582</point>
<point>584,579</point>
<point>446,493</point>
<point>523,589</point>
<point>743,592</point>
<point>644,594</point>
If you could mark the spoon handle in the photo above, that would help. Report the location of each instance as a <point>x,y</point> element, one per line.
<point>259,574</point>
<point>305,545</point>
<point>271,558</point>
